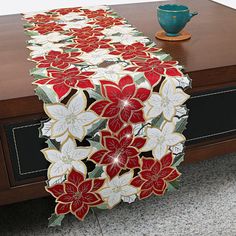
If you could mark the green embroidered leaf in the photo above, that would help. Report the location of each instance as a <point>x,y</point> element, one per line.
<point>95,93</point>
<point>103,206</point>
<point>95,144</point>
<point>157,122</point>
<point>52,143</point>
<point>46,94</point>
<point>139,79</point>
<point>172,186</point>
<point>55,220</point>
<point>97,172</point>
<point>181,125</point>
<point>96,127</point>
<point>178,159</point>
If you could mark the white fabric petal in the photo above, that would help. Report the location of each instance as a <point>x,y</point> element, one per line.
<point>77,131</point>
<point>174,138</point>
<point>58,168</point>
<point>159,151</point>
<point>167,88</point>
<point>68,146</point>
<point>77,103</point>
<point>46,130</point>
<point>153,133</point>
<point>149,145</point>
<point>81,153</point>
<point>128,190</point>
<point>179,97</point>
<point>59,128</point>
<point>106,192</point>
<point>125,178</point>
<point>168,128</point>
<point>114,199</point>
<point>86,118</point>
<point>169,111</point>
<point>79,166</point>
<point>56,111</point>
<point>52,155</point>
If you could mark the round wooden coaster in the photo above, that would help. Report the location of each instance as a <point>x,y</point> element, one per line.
<point>183,36</point>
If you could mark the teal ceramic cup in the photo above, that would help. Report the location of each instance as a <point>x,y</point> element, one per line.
<point>173,18</point>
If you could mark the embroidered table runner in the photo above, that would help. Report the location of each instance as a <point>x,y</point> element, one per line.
<point>115,103</point>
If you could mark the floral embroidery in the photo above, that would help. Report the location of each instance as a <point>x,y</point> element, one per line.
<point>123,103</point>
<point>76,194</point>
<point>155,175</point>
<point>115,105</point>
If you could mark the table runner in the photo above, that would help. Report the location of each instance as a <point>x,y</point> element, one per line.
<point>115,103</point>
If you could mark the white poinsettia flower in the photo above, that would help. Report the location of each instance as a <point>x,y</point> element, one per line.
<point>121,29</point>
<point>77,24</point>
<point>95,8</point>
<point>42,50</point>
<point>97,56</point>
<point>160,140</point>
<point>118,187</point>
<point>165,101</point>
<point>70,156</point>
<point>128,39</point>
<point>113,73</point>
<point>72,119</point>
<point>54,37</point>
<point>71,16</point>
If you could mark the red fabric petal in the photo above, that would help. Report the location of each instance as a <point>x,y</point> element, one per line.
<point>133,162</point>
<point>98,107</point>
<point>137,117</point>
<point>173,72</point>
<point>156,167</point>
<point>145,193</point>
<point>76,204</point>
<point>135,104</point>
<point>125,114</point>
<point>147,163</point>
<point>152,77</point>
<point>160,192</point>
<point>130,151</point>
<point>97,156</point>
<point>159,184</point>
<point>66,198</point>
<point>137,182</point>
<point>85,83</point>
<point>165,172</point>
<point>113,93</point>
<point>97,184</point>
<point>70,188</point>
<point>56,190</point>
<point>138,142</point>
<point>146,174</point>
<point>167,160</point>
<point>147,185</point>
<point>128,91</point>
<point>41,81</point>
<point>75,177</point>
<point>142,94</point>
<point>82,212</point>
<point>111,144</point>
<point>61,90</point>
<point>173,176</point>
<point>86,186</point>
<point>90,198</point>
<point>62,209</point>
<point>115,124</point>
<point>124,81</point>
<point>113,170</point>
<point>111,110</point>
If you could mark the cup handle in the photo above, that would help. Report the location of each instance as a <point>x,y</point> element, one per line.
<point>192,14</point>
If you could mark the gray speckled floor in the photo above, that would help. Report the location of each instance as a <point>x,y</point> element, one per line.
<point>205,205</point>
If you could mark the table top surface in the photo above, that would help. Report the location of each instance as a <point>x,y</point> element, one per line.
<point>209,56</point>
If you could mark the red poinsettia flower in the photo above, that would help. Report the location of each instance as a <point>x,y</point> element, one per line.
<point>105,21</point>
<point>47,28</point>
<point>120,151</point>
<point>90,44</point>
<point>40,18</point>
<point>63,81</point>
<point>94,14</point>
<point>85,32</point>
<point>64,11</point>
<point>123,103</point>
<point>76,194</point>
<point>154,69</point>
<point>57,59</point>
<point>133,50</point>
<point>155,175</point>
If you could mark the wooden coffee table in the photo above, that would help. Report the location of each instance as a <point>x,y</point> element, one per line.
<point>209,58</point>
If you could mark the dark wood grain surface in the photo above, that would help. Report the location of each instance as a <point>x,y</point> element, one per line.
<point>209,56</point>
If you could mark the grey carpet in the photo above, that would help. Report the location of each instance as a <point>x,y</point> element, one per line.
<point>205,205</point>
